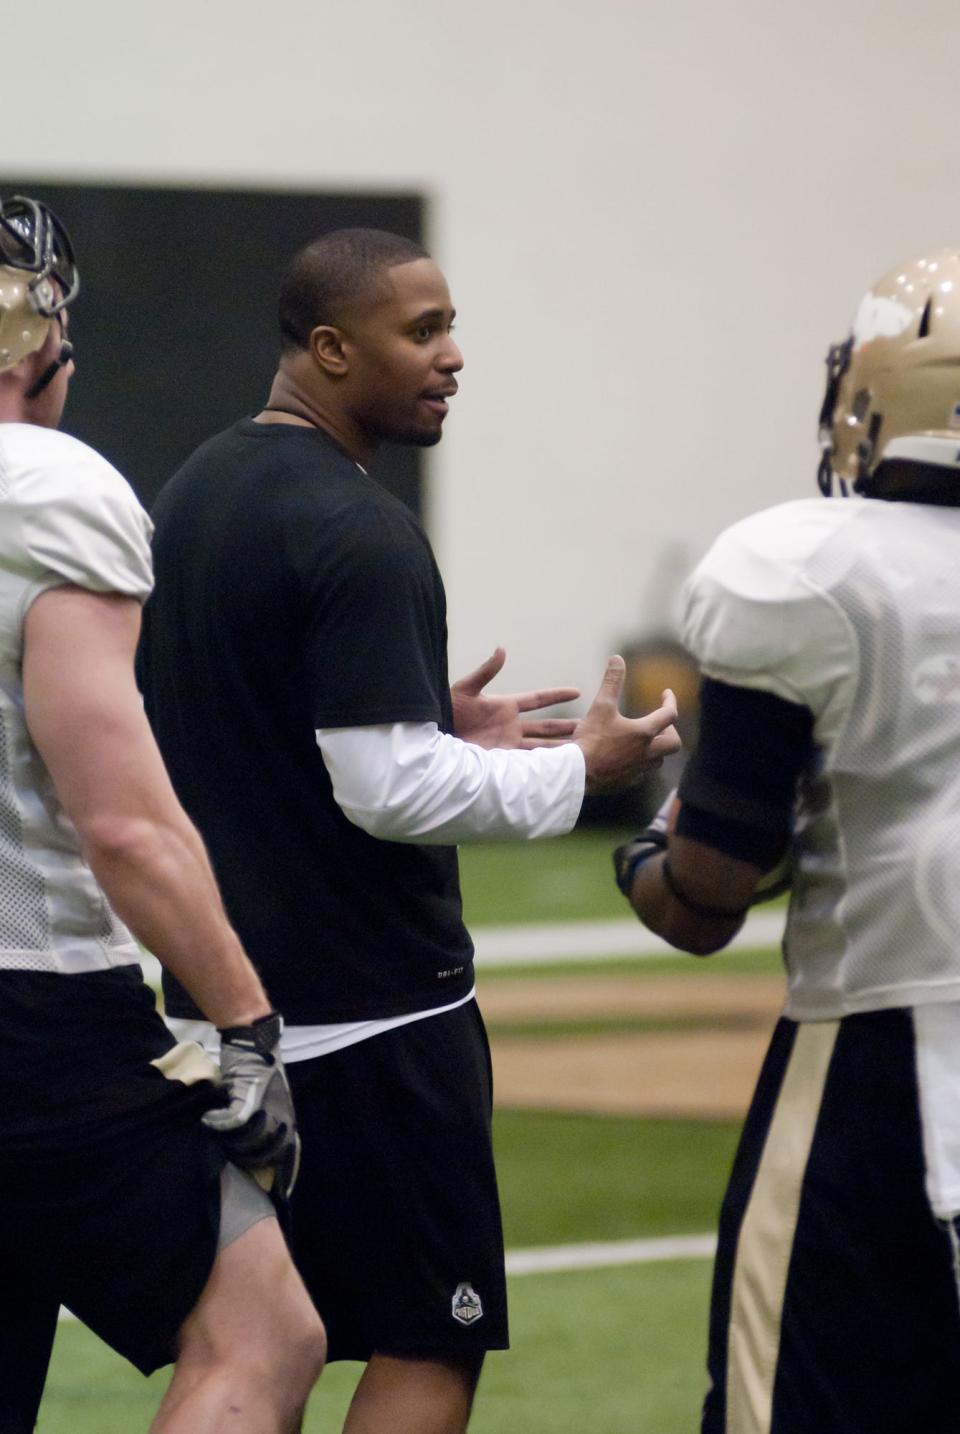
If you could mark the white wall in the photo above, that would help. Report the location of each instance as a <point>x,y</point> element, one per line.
<point>654,217</point>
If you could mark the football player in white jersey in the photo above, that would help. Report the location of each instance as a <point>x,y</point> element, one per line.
<point>828,632</point>
<point>116,1198</point>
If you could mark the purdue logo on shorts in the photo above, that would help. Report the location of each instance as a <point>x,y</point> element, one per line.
<point>465,1305</point>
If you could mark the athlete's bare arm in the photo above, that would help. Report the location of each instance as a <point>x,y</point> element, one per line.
<point>86,718</point>
<point>701,877</point>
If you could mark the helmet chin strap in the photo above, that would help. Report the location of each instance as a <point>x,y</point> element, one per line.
<point>51,370</point>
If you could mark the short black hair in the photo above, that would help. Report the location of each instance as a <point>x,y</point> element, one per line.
<point>336,272</point>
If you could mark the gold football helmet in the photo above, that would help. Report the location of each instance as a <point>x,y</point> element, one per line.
<point>893,387</point>
<point>38,276</point>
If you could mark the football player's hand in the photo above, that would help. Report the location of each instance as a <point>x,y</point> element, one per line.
<point>619,750</point>
<point>489,721</point>
<point>256,1124</point>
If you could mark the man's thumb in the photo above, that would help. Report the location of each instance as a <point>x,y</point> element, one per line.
<point>476,681</point>
<point>612,683</point>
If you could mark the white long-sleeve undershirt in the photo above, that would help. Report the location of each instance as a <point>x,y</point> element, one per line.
<point>410,782</point>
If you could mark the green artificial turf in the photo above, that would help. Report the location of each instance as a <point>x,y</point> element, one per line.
<point>604,1351</point>
<point>616,1351</point>
<point>562,879</point>
<point>565,879</point>
<point>569,1178</point>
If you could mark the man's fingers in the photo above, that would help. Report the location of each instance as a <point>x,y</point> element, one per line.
<point>476,681</point>
<point>661,717</point>
<point>611,684</point>
<point>548,697</point>
<point>667,708</point>
<point>665,743</point>
<point>550,727</point>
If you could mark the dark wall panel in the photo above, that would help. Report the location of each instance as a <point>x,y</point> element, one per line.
<point>175,326</point>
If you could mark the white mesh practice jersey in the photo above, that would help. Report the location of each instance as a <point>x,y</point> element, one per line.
<point>851,607</point>
<point>66,516</point>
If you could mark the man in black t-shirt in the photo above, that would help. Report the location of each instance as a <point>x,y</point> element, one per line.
<point>294,668</point>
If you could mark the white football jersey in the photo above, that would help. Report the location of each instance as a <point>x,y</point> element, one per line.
<point>851,607</point>
<point>66,516</point>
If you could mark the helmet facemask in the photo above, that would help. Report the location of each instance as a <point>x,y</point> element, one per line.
<point>38,276</point>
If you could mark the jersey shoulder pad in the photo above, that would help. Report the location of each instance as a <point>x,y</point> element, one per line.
<point>70,515</point>
<point>754,614</point>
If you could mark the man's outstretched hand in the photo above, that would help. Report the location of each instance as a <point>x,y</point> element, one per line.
<point>489,721</point>
<point>619,750</point>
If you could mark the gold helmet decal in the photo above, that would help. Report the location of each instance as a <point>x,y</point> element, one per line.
<point>893,387</point>
<point>38,276</point>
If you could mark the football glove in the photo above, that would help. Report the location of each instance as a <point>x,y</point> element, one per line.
<point>633,854</point>
<point>256,1124</point>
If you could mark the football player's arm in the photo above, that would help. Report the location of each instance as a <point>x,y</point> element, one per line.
<point>692,877</point>
<point>706,901</point>
<point>86,719</point>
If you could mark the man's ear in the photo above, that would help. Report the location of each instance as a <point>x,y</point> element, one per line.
<point>328,350</point>
<point>24,372</point>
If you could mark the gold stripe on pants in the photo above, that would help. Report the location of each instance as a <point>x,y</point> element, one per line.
<point>767,1231</point>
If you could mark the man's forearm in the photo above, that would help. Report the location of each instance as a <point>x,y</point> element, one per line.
<point>158,880</point>
<point>663,913</point>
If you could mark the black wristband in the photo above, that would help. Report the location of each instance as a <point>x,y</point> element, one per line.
<point>633,854</point>
<point>260,1036</point>
<point>712,913</point>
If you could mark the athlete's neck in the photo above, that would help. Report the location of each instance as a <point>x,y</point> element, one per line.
<point>292,418</point>
<point>285,415</point>
<point>296,401</point>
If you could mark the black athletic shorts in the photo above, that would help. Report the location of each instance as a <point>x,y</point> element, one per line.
<point>109,1183</point>
<point>395,1216</point>
<point>835,1305</point>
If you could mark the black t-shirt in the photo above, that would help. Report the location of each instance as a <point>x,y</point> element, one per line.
<point>292,592</point>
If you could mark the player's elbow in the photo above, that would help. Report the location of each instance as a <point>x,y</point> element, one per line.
<point>700,936</point>
<point>709,943</point>
<point>110,839</point>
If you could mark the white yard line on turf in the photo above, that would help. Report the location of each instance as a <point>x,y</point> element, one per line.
<point>599,1255</point>
<point>596,940</point>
